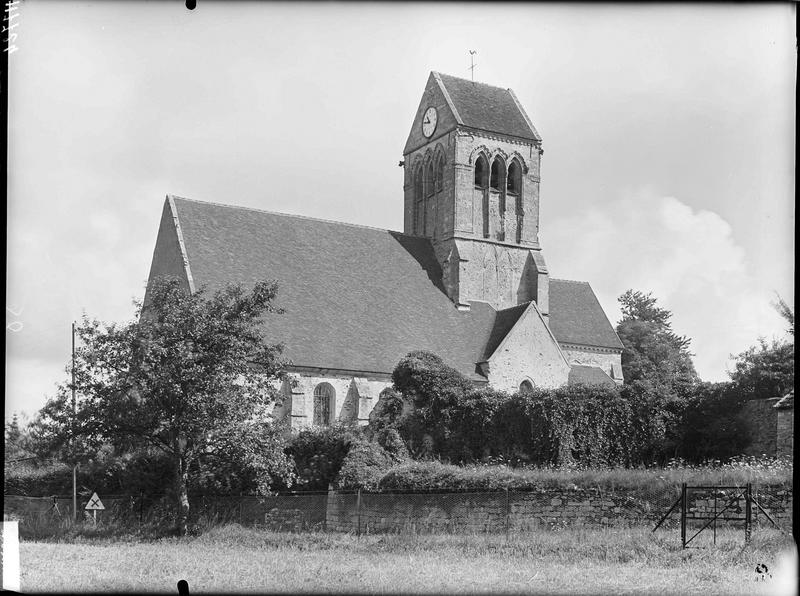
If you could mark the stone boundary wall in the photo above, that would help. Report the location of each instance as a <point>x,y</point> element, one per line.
<point>476,512</point>
<point>524,511</point>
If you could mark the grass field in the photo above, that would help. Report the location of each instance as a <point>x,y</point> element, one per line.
<point>235,559</point>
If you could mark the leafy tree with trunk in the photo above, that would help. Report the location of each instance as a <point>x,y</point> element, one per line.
<point>652,352</point>
<point>193,377</point>
<point>767,370</point>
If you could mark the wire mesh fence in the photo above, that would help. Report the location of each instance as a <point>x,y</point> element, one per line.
<point>505,511</point>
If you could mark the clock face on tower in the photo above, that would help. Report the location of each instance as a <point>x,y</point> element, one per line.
<point>429,121</point>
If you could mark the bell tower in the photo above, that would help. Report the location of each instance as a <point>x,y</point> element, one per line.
<point>471,185</point>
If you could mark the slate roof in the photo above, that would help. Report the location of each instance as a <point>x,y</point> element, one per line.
<point>504,321</point>
<point>489,108</point>
<point>356,298</point>
<point>588,375</point>
<point>576,316</point>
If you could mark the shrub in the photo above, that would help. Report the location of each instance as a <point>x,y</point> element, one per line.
<point>318,454</point>
<point>364,465</point>
<point>387,411</point>
<point>392,442</point>
<point>433,475</point>
<point>52,478</point>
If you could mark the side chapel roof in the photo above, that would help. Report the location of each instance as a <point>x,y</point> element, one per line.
<point>355,298</point>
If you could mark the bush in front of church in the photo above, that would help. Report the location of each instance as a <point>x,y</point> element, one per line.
<point>446,417</point>
<point>318,453</point>
<point>364,466</point>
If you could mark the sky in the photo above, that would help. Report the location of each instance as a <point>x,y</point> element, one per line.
<point>668,132</point>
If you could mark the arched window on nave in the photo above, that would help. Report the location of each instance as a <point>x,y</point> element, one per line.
<point>324,404</point>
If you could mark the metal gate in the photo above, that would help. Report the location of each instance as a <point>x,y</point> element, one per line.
<point>722,503</point>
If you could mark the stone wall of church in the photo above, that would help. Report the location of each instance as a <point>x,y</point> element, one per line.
<point>609,362</point>
<point>501,275</point>
<point>438,207</point>
<point>529,352</point>
<point>353,397</point>
<point>471,204</point>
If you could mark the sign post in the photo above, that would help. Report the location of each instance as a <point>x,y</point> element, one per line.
<point>94,505</point>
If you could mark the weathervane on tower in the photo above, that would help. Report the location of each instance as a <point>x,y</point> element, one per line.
<point>472,64</point>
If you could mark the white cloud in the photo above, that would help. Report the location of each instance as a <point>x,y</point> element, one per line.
<point>688,258</point>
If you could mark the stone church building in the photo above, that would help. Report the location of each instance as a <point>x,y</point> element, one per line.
<point>466,279</point>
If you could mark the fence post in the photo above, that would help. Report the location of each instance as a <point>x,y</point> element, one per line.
<point>748,513</point>
<point>141,506</point>
<point>508,514</point>
<point>358,513</point>
<point>683,515</point>
<point>241,503</point>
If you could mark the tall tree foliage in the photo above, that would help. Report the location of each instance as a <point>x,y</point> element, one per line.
<point>193,378</point>
<point>652,352</point>
<point>767,370</point>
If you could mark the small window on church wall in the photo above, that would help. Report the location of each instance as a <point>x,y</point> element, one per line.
<point>324,404</point>
<point>497,175</point>
<point>481,172</point>
<point>439,174</point>
<point>514,184</point>
<point>429,182</point>
<point>526,386</point>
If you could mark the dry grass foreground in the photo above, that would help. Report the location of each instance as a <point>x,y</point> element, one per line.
<point>235,559</point>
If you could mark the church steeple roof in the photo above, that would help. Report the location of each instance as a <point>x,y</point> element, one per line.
<point>488,108</point>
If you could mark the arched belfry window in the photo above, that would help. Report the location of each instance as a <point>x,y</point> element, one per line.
<point>418,198</point>
<point>481,172</point>
<point>514,184</point>
<point>526,386</point>
<point>439,173</point>
<point>324,404</point>
<point>429,179</point>
<point>498,174</point>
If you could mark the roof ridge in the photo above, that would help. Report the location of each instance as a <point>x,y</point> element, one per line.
<point>520,305</point>
<point>307,217</point>
<point>569,281</point>
<point>471,81</point>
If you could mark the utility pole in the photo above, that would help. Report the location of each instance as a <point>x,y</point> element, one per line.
<point>74,414</point>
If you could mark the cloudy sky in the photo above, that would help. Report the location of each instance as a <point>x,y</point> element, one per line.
<point>668,135</point>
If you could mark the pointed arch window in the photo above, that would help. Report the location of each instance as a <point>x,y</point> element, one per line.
<point>324,404</point>
<point>481,172</point>
<point>514,183</point>
<point>418,200</point>
<point>439,173</point>
<point>498,174</point>
<point>429,182</point>
<point>526,386</point>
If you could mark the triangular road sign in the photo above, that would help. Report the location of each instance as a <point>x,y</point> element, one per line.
<point>94,503</point>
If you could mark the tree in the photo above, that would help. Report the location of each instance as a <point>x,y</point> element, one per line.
<point>652,352</point>
<point>193,377</point>
<point>15,441</point>
<point>786,311</point>
<point>767,370</point>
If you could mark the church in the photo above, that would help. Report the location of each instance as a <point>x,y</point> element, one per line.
<point>466,279</point>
